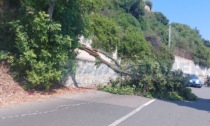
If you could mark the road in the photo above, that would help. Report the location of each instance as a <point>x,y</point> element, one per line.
<point>95,108</point>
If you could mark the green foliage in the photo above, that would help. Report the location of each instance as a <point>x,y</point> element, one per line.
<point>118,88</point>
<point>43,52</point>
<point>189,40</point>
<point>126,20</point>
<point>133,44</point>
<point>9,12</point>
<point>202,56</point>
<point>153,84</point>
<point>137,9</point>
<point>146,73</point>
<point>165,58</point>
<point>89,6</point>
<point>3,55</point>
<point>71,14</point>
<point>120,29</point>
<point>30,6</point>
<point>134,7</point>
<point>174,96</point>
<point>106,33</point>
<point>125,4</point>
<point>206,43</point>
<point>40,50</point>
<point>161,18</point>
<point>143,23</point>
<point>186,92</point>
<point>184,37</point>
<point>153,24</point>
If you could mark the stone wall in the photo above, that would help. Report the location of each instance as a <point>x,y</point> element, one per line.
<point>89,74</point>
<point>189,67</point>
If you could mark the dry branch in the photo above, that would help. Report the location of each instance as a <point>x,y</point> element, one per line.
<point>95,53</point>
<point>115,61</point>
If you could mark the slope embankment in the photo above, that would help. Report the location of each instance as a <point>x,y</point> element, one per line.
<point>12,93</point>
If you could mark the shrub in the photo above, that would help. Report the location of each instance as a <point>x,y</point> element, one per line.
<point>149,81</point>
<point>174,96</point>
<point>43,52</point>
<point>3,55</point>
<point>121,90</point>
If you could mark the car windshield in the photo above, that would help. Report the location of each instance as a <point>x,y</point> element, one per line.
<point>191,76</point>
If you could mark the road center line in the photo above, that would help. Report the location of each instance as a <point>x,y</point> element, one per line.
<point>131,113</point>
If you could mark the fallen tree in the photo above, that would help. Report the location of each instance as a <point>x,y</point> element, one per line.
<point>144,77</point>
<point>116,66</point>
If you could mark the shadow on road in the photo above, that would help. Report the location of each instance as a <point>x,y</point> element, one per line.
<point>200,104</point>
<point>203,102</point>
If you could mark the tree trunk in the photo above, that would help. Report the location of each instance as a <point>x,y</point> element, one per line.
<point>96,55</point>
<point>51,8</point>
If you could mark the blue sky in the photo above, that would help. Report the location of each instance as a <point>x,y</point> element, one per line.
<point>195,13</point>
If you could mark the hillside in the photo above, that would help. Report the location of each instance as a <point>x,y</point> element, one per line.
<point>116,22</point>
<point>10,91</point>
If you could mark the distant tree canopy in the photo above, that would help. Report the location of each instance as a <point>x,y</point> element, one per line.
<point>190,40</point>
<point>206,43</point>
<point>106,33</point>
<point>161,18</point>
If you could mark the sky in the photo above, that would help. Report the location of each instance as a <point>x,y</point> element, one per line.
<point>194,13</point>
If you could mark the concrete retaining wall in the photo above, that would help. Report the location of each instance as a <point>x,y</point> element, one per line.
<point>88,74</point>
<point>189,67</point>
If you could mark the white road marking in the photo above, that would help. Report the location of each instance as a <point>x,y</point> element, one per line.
<point>131,113</point>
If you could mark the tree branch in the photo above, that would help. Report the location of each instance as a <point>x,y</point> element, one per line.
<point>96,55</point>
<point>115,61</point>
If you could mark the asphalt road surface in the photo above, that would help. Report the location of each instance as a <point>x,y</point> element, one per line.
<point>96,108</point>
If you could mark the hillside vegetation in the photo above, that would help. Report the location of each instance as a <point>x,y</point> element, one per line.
<point>39,39</point>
